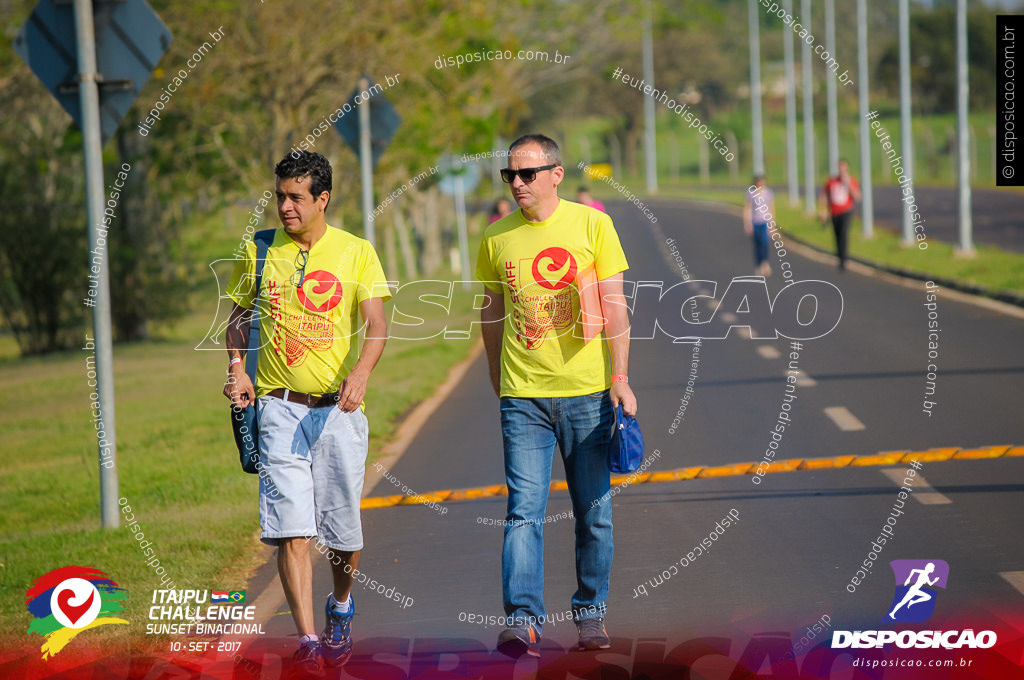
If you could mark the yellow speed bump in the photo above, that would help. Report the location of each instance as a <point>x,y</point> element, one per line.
<point>707,472</point>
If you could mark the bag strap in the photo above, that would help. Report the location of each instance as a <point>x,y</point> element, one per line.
<point>263,239</point>
<point>617,415</point>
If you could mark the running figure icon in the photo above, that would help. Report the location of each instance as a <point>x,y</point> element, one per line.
<point>916,595</point>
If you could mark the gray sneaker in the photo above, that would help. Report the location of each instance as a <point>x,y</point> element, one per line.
<point>592,634</point>
<point>519,641</point>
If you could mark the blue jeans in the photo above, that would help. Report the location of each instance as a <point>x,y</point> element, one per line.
<point>760,243</point>
<point>530,429</point>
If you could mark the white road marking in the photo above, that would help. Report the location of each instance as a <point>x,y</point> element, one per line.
<point>844,420</point>
<point>923,492</point>
<point>1015,579</point>
<point>804,380</point>
<point>768,352</point>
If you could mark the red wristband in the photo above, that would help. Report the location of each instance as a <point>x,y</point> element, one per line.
<point>620,378</point>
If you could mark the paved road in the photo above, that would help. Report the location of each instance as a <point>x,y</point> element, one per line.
<point>800,537</point>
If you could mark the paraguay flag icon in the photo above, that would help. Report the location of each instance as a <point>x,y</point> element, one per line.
<point>218,596</point>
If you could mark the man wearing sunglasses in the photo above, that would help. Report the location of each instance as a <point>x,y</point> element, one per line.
<point>559,375</point>
<point>311,378</point>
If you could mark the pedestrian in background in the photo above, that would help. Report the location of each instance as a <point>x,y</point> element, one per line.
<point>758,211</point>
<point>500,208</point>
<point>584,197</point>
<point>839,195</point>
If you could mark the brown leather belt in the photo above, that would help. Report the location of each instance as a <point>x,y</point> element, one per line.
<point>310,400</point>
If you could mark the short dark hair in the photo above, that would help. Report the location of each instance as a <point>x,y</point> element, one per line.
<point>547,146</point>
<point>299,164</point>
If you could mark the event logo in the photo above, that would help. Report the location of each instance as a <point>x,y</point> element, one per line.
<point>560,259</point>
<point>325,283</point>
<point>69,600</point>
<point>915,602</point>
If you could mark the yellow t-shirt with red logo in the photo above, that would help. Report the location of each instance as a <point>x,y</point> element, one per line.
<point>539,265</point>
<point>308,335</point>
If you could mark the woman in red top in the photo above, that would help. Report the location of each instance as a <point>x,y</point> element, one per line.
<point>840,193</point>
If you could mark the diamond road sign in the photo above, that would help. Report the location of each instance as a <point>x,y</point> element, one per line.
<point>384,120</point>
<point>130,40</point>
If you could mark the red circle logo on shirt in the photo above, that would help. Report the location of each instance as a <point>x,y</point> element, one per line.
<point>558,259</point>
<point>324,283</point>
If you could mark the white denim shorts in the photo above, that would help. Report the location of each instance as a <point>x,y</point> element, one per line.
<point>312,464</point>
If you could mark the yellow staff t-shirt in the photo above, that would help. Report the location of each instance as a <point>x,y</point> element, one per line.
<point>308,335</point>
<point>538,265</point>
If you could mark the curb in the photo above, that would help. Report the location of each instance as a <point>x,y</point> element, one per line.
<point>1003,296</point>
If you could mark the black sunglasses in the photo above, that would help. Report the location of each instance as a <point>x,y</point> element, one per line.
<point>508,175</point>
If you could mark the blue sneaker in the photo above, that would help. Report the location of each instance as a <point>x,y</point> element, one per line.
<point>336,640</point>
<point>308,661</point>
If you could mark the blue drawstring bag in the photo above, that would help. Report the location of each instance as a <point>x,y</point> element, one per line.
<point>626,448</point>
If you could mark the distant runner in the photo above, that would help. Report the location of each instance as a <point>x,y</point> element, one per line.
<point>839,194</point>
<point>758,211</point>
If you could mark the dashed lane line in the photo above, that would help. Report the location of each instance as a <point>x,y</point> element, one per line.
<point>1015,579</point>
<point>805,380</point>
<point>844,420</point>
<point>923,491</point>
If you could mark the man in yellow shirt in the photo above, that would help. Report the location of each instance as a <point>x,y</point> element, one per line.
<point>557,383</point>
<point>310,383</point>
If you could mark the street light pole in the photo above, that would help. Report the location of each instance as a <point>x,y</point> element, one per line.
<point>808,87</point>
<point>791,164</point>
<point>755,88</point>
<point>867,196</point>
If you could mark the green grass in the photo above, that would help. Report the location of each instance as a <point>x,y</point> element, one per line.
<point>991,267</point>
<point>678,146</point>
<point>177,463</point>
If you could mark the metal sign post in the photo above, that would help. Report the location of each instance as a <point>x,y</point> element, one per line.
<point>117,45</point>
<point>366,163</point>
<point>89,97</point>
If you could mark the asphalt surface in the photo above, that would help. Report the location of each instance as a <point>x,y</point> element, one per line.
<point>800,537</point>
<point>995,215</point>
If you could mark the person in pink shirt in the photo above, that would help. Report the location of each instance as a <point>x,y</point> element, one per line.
<point>500,208</point>
<point>583,196</point>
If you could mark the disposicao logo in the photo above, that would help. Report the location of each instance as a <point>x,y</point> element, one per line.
<point>69,600</point>
<point>913,602</point>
